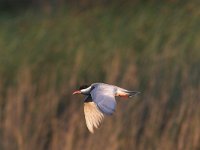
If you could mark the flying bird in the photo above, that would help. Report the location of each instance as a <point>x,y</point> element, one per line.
<point>99,101</point>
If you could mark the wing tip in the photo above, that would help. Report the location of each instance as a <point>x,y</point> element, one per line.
<point>93,116</point>
<point>91,130</point>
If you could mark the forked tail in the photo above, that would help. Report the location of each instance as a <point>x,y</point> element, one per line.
<point>126,93</point>
<point>132,93</point>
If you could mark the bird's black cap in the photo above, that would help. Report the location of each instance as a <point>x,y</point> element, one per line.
<point>83,87</point>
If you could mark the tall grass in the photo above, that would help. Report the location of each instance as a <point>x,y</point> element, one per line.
<point>153,49</point>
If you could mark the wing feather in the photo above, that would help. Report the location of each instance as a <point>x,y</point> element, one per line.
<point>104,96</point>
<point>93,116</point>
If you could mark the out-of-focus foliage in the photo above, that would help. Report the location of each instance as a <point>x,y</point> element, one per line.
<point>150,47</point>
<point>52,6</point>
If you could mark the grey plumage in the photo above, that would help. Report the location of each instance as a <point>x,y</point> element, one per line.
<point>100,100</point>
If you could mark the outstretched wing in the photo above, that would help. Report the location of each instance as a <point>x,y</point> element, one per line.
<point>93,116</point>
<point>104,97</point>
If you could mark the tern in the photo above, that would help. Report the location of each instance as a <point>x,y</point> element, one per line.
<point>99,101</point>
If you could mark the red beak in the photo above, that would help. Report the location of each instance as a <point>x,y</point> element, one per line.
<point>76,92</point>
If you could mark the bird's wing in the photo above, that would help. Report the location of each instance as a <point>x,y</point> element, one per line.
<point>93,116</point>
<point>104,97</point>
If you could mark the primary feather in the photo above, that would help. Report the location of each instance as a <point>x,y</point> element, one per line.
<point>93,116</point>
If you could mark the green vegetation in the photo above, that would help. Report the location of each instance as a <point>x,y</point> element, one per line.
<point>151,48</point>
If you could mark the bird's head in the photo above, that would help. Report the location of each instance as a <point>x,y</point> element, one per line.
<point>84,89</point>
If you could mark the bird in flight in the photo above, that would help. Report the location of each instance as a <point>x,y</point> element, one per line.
<point>100,100</point>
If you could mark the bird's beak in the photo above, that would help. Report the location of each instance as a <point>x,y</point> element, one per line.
<point>76,92</point>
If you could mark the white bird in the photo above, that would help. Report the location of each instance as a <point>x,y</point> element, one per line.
<point>100,100</point>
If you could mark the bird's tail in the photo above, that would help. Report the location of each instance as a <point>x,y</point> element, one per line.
<point>132,93</point>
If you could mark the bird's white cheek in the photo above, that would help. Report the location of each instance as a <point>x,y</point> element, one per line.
<point>85,91</point>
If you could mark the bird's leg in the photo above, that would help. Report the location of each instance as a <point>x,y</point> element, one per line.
<point>122,94</point>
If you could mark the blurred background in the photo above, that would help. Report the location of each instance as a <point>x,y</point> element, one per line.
<point>50,47</point>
